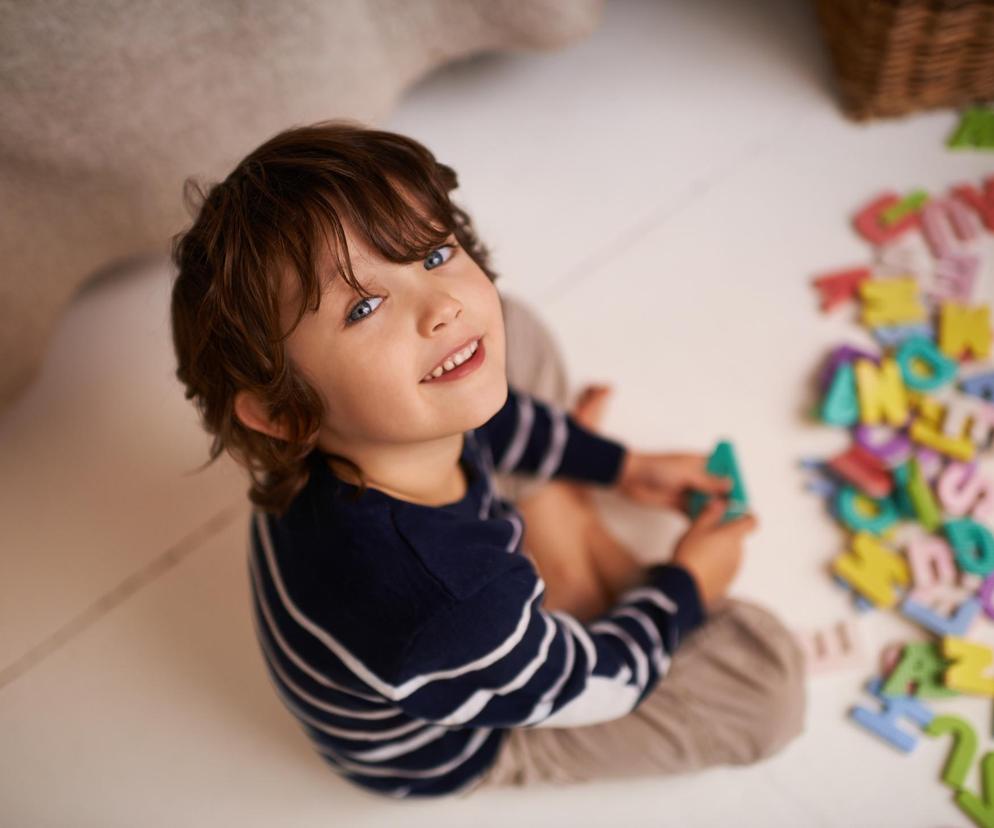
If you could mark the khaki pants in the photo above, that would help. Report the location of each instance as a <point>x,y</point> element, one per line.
<point>735,691</point>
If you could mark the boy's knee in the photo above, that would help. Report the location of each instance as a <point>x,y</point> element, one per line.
<point>783,700</point>
<point>785,714</point>
<point>777,722</point>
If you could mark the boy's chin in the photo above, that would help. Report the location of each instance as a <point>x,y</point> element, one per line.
<point>478,404</point>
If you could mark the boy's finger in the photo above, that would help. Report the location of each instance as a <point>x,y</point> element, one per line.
<point>711,514</point>
<point>711,483</point>
<point>742,524</point>
<point>721,485</point>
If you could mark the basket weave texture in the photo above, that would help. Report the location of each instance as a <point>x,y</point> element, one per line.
<point>896,56</point>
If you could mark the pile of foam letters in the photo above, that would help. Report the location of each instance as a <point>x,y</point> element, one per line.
<point>910,489</point>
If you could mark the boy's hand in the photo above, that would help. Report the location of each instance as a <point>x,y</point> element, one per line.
<point>711,551</point>
<point>665,480</point>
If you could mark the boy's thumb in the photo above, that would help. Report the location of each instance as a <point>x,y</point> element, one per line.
<point>711,514</point>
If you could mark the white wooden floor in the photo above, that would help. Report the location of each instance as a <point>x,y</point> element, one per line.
<point>671,185</point>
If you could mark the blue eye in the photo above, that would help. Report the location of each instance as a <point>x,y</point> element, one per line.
<point>349,320</point>
<point>435,258</point>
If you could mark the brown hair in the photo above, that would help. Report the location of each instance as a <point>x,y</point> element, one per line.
<point>267,218</point>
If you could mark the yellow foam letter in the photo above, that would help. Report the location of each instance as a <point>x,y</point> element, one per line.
<point>882,396</point>
<point>891,301</point>
<point>965,331</point>
<point>872,569</point>
<point>965,674</point>
<point>926,434</point>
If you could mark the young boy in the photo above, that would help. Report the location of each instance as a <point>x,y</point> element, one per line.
<point>337,325</point>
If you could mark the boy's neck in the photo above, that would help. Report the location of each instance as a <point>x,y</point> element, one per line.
<point>439,482</point>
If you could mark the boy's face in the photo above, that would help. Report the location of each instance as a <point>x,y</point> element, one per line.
<point>367,358</point>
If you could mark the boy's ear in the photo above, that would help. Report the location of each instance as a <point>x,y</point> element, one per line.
<point>252,414</point>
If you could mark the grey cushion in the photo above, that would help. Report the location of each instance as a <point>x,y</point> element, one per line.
<point>108,106</point>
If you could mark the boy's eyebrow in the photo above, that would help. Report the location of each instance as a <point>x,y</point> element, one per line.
<point>338,286</point>
<point>337,283</point>
<point>341,292</point>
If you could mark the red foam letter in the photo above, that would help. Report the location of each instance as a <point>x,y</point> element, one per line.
<point>869,221</point>
<point>841,286</point>
<point>983,204</point>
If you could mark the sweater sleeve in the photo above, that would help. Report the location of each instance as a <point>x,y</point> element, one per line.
<point>529,435</point>
<point>498,659</point>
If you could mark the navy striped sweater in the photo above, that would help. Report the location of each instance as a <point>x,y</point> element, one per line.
<point>406,639</point>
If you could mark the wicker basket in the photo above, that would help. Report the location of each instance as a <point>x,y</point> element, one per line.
<point>897,56</point>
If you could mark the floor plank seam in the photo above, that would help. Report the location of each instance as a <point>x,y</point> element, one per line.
<point>120,593</point>
<point>588,267</point>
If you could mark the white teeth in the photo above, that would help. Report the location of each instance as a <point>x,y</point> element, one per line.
<point>453,361</point>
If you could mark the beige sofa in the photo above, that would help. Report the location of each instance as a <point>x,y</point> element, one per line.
<point>107,106</point>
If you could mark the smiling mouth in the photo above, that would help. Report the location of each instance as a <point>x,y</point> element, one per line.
<point>461,370</point>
